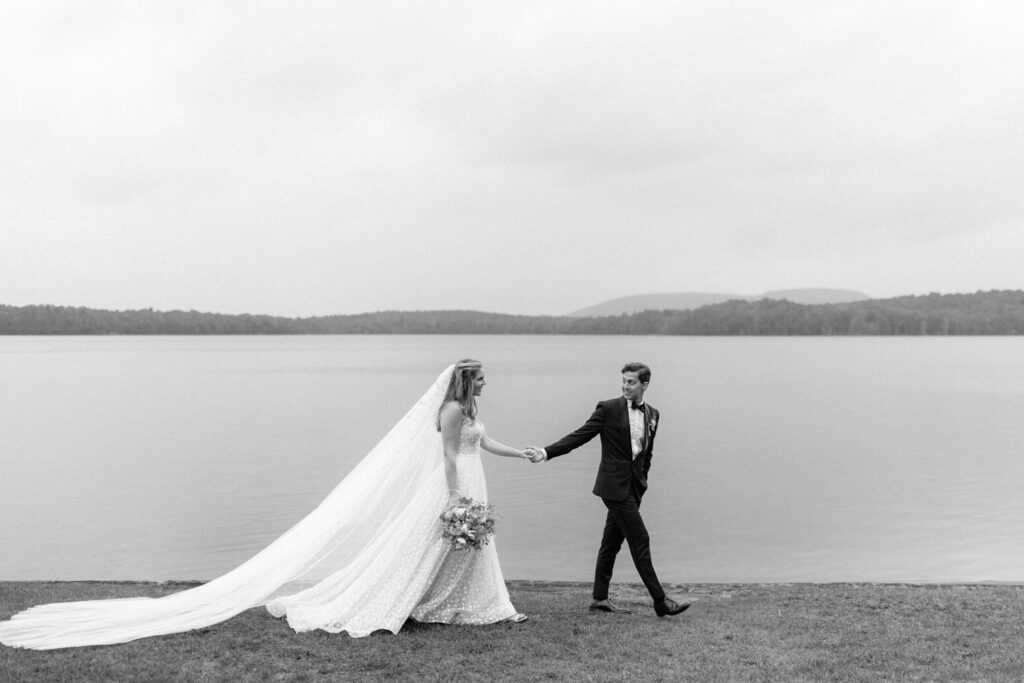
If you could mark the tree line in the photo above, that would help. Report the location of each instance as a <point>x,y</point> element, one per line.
<point>980,313</point>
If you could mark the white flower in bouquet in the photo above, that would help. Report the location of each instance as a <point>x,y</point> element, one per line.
<point>467,524</point>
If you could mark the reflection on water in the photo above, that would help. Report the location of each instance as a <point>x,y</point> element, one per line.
<point>778,459</point>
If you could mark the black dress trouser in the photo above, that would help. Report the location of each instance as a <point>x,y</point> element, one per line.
<point>624,523</point>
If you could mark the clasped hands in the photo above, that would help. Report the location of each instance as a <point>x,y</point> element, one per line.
<point>535,454</point>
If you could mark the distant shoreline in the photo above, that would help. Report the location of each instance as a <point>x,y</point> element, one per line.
<point>981,313</point>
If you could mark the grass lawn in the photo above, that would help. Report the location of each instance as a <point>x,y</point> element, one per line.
<point>734,632</point>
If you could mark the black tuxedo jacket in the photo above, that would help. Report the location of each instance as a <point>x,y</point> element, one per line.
<point>618,471</point>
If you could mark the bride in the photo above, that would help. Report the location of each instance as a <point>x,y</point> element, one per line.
<point>368,558</point>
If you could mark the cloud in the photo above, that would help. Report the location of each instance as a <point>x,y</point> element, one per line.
<point>338,157</point>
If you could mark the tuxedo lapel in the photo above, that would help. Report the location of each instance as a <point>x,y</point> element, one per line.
<point>647,427</point>
<point>624,426</point>
<point>624,422</point>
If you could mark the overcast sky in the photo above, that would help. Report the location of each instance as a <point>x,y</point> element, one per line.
<point>308,158</point>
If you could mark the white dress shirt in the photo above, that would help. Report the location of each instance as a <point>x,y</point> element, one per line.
<point>636,428</point>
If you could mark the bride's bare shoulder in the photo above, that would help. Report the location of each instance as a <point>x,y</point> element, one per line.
<point>450,407</point>
<point>451,415</point>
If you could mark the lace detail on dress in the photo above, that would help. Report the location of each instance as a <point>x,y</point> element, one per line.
<point>470,436</point>
<point>469,587</point>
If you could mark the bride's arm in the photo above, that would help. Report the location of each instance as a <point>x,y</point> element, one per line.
<point>451,424</point>
<point>498,448</point>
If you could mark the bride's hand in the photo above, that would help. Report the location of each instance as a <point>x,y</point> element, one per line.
<point>534,454</point>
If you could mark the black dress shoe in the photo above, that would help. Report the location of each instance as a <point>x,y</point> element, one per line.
<point>669,607</point>
<point>608,606</point>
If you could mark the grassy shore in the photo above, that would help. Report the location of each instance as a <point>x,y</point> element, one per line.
<point>734,632</point>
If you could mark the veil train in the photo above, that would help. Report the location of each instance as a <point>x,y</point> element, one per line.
<point>354,564</point>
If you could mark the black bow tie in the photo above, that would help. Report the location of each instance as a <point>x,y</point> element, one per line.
<point>637,406</point>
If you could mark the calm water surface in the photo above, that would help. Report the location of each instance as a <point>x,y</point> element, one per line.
<point>778,459</point>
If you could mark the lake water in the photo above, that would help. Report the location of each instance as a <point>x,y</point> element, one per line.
<point>777,459</point>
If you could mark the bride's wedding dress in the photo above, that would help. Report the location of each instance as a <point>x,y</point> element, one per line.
<point>425,580</point>
<point>468,587</point>
<point>366,559</point>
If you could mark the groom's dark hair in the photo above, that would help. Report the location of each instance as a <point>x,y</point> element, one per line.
<point>643,373</point>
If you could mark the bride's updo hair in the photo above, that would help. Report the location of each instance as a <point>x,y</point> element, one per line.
<point>460,388</point>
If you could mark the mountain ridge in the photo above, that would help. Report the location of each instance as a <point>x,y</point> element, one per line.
<point>996,312</point>
<point>685,301</point>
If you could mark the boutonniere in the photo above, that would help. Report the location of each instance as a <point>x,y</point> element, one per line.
<point>654,423</point>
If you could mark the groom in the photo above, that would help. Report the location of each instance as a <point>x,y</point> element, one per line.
<point>627,426</point>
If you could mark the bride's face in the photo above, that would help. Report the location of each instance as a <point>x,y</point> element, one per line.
<point>478,383</point>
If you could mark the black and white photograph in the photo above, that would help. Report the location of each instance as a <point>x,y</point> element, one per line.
<point>511,341</point>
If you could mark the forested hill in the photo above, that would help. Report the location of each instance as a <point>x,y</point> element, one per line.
<point>981,313</point>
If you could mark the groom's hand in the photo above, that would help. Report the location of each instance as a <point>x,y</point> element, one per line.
<point>536,454</point>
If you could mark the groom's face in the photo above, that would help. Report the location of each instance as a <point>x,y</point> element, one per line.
<point>632,388</point>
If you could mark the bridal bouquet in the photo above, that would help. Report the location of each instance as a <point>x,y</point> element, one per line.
<point>467,524</point>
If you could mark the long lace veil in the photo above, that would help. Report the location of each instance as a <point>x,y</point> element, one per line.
<point>381,511</point>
